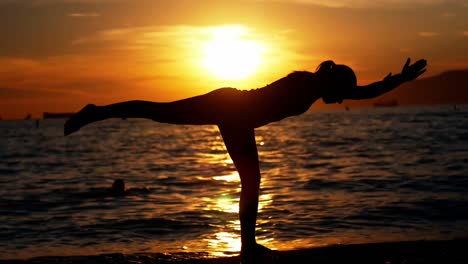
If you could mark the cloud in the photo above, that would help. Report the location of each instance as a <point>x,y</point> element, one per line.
<point>448,14</point>
<point>63,74</point>
<point>428,34</point>
<point>371,3</point>
<point>34,92</point>
<point>165,39</point>
<point>328,3</point>
<point>83,15</point>
<point>117,34</point>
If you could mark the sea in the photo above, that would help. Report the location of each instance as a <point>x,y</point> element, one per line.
<point>328,177</point>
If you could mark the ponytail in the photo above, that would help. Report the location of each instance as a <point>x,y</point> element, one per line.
<point>326,66</point>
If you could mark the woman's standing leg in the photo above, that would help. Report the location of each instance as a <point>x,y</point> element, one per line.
<point>241,145</point>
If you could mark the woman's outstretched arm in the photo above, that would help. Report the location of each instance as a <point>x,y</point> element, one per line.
<point>390,82</point>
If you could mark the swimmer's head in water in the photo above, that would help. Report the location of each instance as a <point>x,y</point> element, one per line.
<point>339,79</point>
<point>118,187</point>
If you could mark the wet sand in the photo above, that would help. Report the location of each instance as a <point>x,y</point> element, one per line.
<point>412,252</point>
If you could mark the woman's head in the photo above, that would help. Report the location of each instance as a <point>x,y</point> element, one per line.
<point>337,80</point>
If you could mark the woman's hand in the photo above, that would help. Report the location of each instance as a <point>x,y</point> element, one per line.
<point>390,82</point>
<point>409,72</point>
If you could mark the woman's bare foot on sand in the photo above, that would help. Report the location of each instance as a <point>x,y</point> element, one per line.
<point>251,253</point>
<point>83,117</point>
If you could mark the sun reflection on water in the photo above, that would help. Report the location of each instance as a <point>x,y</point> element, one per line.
<point>223,203</point>
<point>224,242</point>
<point>225,239</point>
<point>264,200</point>
<point>233,177</point>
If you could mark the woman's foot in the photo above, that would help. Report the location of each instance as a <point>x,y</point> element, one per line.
<point>80,119</point>
<point>252,252</point>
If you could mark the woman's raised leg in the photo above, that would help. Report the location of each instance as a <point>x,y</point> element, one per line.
<point>210,108</point>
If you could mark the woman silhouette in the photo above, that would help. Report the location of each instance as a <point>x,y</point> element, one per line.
<point>237,113</point>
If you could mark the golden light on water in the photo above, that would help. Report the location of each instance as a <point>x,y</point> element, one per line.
<point>264,200</point>
<point>223,203</point>
<point>225,239</point>
<point>233,177</point>
<point>229,55</point>
<point>225,242</point>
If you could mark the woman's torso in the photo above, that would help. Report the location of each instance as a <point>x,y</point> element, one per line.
<point>289,96</point>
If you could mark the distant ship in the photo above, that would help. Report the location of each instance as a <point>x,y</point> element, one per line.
<point>47,115</point>
<point>389,103</point>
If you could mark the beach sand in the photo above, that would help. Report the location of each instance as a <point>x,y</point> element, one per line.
<point>448,251</point>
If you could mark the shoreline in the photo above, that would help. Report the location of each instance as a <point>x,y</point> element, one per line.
<point>407,252</point>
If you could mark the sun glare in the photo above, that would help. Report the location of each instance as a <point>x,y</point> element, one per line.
<point>229,55</point>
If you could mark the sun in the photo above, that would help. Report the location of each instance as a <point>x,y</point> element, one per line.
<point>229,55</point>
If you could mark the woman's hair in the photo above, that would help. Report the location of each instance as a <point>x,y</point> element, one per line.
<point>340,75</point>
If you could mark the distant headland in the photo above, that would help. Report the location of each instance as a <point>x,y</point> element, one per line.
<point>48,115</point>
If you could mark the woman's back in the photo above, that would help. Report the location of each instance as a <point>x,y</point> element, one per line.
<point>288,96</point>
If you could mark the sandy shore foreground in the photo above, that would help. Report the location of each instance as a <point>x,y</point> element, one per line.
<point>449,251</point>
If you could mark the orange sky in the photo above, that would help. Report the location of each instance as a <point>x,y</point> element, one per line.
<point>57,55</point>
